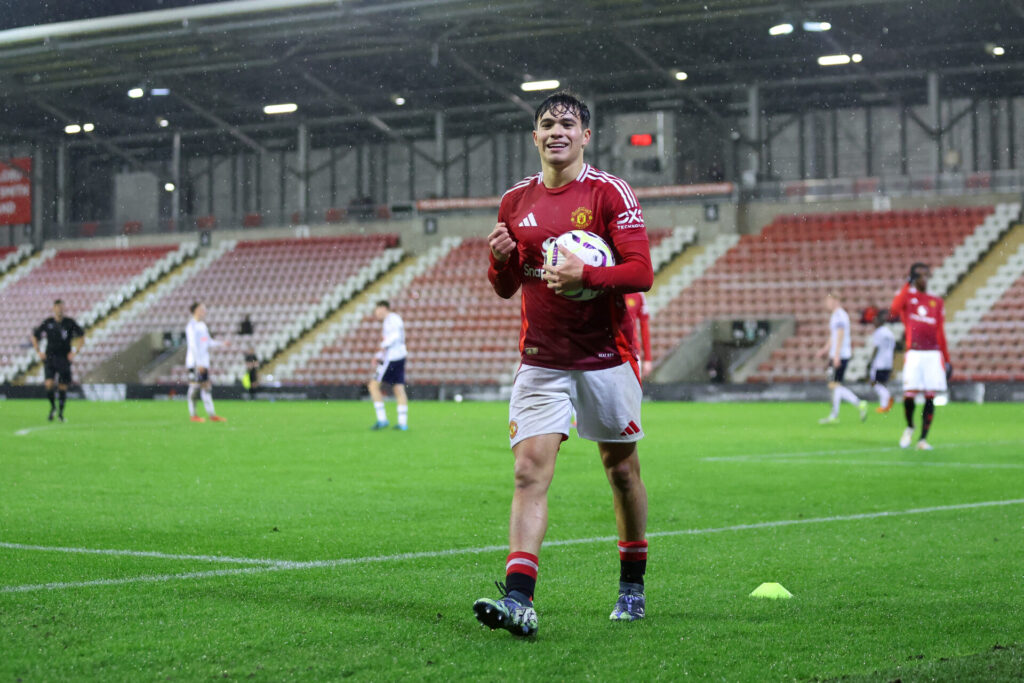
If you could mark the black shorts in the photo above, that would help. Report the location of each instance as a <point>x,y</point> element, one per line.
<point>836,374</point>
<point>881,376</point>
<point>391,373</point>
<point>198,376</point>
<point>59,368</point>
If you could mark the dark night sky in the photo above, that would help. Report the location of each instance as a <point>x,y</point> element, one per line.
<point>16,13</point>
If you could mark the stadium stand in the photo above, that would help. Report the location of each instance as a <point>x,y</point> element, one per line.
<point>986,336</point>
<point>91,282</point>
<point>946,275</point>
<point>12,256</point>
<point>285,285</point>
<point>457,330</point>
<point>786,269</point>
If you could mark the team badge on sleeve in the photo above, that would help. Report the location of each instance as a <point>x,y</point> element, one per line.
<point>581,218</point>
<point>513,429</point>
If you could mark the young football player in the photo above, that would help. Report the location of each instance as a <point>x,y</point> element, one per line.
<point>926,365</point>
<point>839,349</point>
<point>390,367</point>
<point>197,361</point>
<point>575,354</point>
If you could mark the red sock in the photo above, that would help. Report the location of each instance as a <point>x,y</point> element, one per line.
<point>632,561</point>
<point>521,573</point>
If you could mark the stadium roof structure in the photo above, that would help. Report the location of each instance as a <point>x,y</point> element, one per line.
<point>371,69</point>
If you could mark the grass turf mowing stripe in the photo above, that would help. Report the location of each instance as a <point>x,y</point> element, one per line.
<point>317,564</point>
<point>841,451</point>
<point>888,463</point>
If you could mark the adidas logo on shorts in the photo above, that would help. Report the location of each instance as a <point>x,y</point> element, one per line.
<point>630,429</point>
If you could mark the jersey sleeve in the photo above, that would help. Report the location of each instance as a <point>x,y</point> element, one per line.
<point>625,224</point>
<point>76,330</point>
<point>37,332</point>
<point>504,276</point>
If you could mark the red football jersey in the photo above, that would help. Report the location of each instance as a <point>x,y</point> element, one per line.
<point>636,304</point>
<point>923,316</point>
<point>557,332</point>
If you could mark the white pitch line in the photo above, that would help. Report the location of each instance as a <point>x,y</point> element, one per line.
<point>28,430</point>
<point>139,553</point>
<point>318,564</point>
<point>841,451</point>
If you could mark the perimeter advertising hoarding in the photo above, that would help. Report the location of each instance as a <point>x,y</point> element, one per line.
<point>16,191</point>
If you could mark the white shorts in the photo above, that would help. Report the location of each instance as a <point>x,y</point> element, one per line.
<point>607,404</point>
<point>924,371</point>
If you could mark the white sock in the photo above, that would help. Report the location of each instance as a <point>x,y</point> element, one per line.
<point>846,395</point>
<point>192,389</point>
<point>379,407</point>
<point>208,402</point>
<point>883,393</point>
<point>403,415</point>
<point>835,401</point>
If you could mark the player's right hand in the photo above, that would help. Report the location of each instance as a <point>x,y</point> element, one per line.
<point>501,242</point>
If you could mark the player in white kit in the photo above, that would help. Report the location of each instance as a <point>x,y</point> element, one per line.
<point>839,349</point>
<point>197,360</point>
<point>390,367</point>
<point>884,343</point>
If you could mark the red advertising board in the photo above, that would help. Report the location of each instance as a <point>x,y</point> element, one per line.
<point>16,191</point>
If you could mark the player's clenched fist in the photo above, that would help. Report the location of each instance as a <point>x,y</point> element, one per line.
<point>501,242</point>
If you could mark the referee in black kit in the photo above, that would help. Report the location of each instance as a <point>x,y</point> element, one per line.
<point>61,333</point>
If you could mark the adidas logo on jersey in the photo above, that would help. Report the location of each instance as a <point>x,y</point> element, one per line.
<point>529,222</point>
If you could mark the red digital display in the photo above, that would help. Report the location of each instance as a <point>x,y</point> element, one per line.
<point>641,140</point>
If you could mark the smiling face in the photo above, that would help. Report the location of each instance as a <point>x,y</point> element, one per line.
<point>560,138</point>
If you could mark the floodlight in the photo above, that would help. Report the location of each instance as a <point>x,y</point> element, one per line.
<point>72,129</point>
<point>532,86</point>
<point>160,92</point>
<point>136,93</point>
<point>817,26</point>
<point>780,30</point>
<point>681,75</point>
<point>285,108</point>
<point>88,127</point>
<point>833,60</point>
<point>169,187</point>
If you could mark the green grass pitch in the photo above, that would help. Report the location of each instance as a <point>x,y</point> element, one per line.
<point>294,544</point>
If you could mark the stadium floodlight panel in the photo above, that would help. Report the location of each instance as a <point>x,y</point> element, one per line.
<point>283,108</point>
<point>833,60</point>
<point>162,122</point>
<point>533,86</point>
<point>998,51</point>
<point>160,92</point>
<point>72,129</point>
<point>136,93</point>
<point>681,75</point>
<point>169,187</point>
<point>398,100</point>
<point>780,30</point>
<point>88,127</point>
<point>817,26</point>
<point>856,58</point>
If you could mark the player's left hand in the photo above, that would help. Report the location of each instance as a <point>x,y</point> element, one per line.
<point>567,275</point>
<point>949,371</point>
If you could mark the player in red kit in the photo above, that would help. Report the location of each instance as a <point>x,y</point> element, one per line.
<point>926,366</point>
<point>575,354</point>
<point>636,304</point>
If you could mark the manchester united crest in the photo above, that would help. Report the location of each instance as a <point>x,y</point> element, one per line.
<point>581,218</point>
<point>513,429</point>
